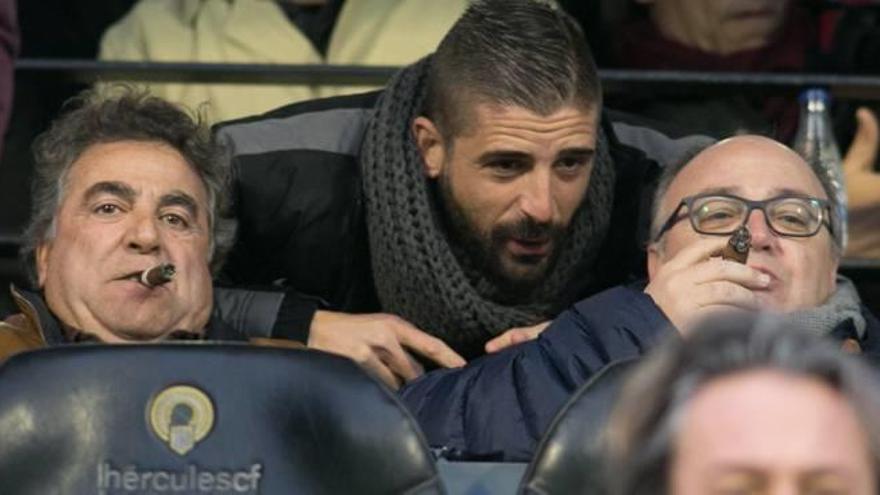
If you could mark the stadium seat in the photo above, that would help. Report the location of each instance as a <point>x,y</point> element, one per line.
<point>568,459</point>
<point>203,418</point>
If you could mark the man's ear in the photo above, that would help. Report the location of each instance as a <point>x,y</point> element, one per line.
<point>654,259</point>
<point>41,255</point>
<point>833,275</point>
<point>430,144</point>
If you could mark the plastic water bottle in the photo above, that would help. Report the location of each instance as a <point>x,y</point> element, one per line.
<point>816,144</point>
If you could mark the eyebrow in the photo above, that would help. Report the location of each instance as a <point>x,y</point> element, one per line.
<point>182,199</point>
<point>583,152</point>
<point>113,188</point>
<point>501,155</point>
<point>126,193</point>
<point>779,191</point>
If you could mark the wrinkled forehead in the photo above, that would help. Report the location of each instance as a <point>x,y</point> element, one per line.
<point>754,168</point>
<point>138,165</point>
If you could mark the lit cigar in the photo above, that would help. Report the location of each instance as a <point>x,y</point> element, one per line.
<point>158,275</point>
<point>738,245</point>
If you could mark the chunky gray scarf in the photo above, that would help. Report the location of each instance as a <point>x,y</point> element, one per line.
<point>418,275</point>
<point>844,304</point>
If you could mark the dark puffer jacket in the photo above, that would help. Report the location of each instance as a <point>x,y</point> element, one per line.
<point>498,407</point>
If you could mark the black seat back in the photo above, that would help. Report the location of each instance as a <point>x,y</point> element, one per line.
<point>104,419</point>
<point>568,459</point>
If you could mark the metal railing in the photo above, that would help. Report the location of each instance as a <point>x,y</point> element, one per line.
<point>89,71</point>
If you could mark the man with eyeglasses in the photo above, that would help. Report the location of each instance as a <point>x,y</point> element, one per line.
<point>498,407</point>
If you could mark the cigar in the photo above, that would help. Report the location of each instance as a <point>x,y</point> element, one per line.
<point>738,245</point>
<point>158,275</point>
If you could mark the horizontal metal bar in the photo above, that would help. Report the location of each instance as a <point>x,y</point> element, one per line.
<point>89,71</point>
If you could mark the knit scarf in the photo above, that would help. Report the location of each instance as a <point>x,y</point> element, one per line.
<point>418,275</point>
<point>844,304</point>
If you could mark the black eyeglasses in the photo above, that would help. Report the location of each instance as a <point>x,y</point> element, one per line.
<point>722,214</point>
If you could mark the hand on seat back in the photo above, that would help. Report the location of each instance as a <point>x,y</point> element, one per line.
<point>379,342</point>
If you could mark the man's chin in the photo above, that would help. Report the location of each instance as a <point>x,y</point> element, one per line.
<point>133,330</point>
<point>523,274</point>
<point>771,302</point>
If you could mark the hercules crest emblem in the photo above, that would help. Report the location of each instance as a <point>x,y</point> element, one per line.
<point>181,416</point>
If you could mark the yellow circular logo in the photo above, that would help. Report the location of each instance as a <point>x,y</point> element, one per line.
<point>182,416</point>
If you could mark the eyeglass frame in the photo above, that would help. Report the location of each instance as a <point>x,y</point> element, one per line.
<point>751,206</point>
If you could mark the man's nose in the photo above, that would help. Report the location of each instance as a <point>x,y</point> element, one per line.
<point>143,234</point>
<point>536,200</point>
<point>762,236</point>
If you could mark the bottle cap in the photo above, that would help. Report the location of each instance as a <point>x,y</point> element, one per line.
<point>815,94</point>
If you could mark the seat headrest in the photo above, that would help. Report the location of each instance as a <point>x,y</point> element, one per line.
<point>203,418</point>
<point>569,458</point>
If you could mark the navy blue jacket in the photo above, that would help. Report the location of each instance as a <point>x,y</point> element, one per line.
<point>499,406</point>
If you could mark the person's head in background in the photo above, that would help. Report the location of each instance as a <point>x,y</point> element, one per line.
<point>718,26</point>
<point>746,405</point>
<point>509,134</point>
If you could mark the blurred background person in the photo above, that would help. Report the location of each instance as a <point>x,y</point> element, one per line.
<point>357,32</point>
<point>751,404</point>
<point>757,36</point>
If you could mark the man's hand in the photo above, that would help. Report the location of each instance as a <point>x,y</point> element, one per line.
<point>863,188</point>
<point>377,341</point>
<point>690,285</point>
<point>515,336</point>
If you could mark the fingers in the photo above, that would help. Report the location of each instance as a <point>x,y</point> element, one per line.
<point>862,152</point>
<point>506,339</point>
<point>727,294</point>
<point>375,365</point>
<point>369,340</point>
<point>695,253</point>
<point>515,336</point>
<point>715,270</point>
<point>427,345</point>
<point>390,352</point>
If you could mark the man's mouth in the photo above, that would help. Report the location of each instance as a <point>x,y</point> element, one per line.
<point>134,276</point>
<point>530,247</point>
<point>774,279</point>
<point>149,278</point>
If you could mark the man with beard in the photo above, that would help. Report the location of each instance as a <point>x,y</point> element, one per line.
<point>481,191</point>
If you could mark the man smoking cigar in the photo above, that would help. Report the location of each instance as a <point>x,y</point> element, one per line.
<point>127,223</point>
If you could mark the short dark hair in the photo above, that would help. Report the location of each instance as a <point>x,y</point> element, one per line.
<point>514,52</point>
<point>122,114</point>
<point>640,437</point>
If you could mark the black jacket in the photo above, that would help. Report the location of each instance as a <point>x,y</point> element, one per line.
<point>299,201</point>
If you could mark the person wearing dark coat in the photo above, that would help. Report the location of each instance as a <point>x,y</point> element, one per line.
<point>498,407</point>
<point>480,191</point>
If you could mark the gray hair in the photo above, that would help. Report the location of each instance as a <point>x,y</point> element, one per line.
<point>640,438</point>
<point>91,118</point>
<point>671,171</point>
<point>513,52</point>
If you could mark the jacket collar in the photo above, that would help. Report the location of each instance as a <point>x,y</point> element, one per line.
<point>34,308</point>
